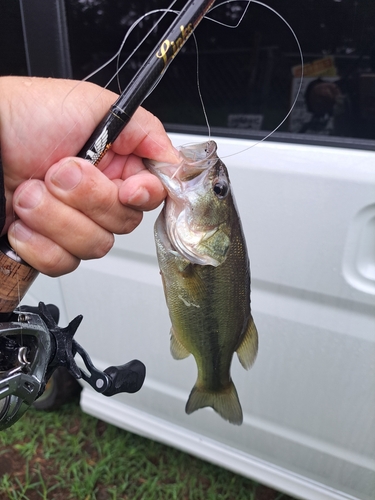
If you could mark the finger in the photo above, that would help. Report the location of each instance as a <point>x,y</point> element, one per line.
<point>82,186</point>
<point>40,252</point>
<point>67,227</point>
<point>145,136</point>
<point>142,190</point>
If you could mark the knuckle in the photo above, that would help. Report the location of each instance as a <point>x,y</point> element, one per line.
<point>57,262</point>
<point>133,219</point>
<point>103,246</point>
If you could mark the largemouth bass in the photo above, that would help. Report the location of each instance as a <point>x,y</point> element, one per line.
<point>205,271</point>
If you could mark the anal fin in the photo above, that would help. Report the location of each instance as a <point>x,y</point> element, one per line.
<point>248,348</point>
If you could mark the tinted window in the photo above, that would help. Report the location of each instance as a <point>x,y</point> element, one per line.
<point>249,75</point>
<point>12,59</point>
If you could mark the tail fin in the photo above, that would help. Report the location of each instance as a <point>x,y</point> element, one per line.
<point>225,403</point>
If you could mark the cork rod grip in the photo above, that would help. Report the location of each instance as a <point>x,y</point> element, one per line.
<point>16,277</point>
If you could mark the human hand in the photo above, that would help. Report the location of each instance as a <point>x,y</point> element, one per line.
<point>66,208</point>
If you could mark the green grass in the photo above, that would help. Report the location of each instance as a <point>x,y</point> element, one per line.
<point>69,455</point>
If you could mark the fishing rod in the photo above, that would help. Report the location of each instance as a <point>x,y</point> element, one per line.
<point>32,345</point>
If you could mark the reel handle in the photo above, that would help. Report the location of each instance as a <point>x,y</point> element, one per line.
<point>125,378</point>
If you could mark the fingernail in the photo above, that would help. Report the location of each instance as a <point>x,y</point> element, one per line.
<point>30,195</point>
<point>68,176</point>
<point>20,232</point>
<point>139,198</point>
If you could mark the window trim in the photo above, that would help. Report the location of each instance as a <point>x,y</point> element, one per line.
<point>46,38</point>
<point>285,137</point>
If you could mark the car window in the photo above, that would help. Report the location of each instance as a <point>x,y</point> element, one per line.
<point>13,59</point>
<point>248,76</point>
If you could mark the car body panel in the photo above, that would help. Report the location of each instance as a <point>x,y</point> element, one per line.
<point>308,214</point>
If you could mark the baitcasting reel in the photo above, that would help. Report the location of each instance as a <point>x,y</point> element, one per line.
<point>32,346</point>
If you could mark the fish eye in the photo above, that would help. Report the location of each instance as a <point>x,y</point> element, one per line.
<point>221,189</point>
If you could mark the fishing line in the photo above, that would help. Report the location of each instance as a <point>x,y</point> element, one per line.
<point>197,54</point>
<point>199,90</point>
<point>167,11</point>
<point>301,58</point>
<point>164,13</point>
<point>117,56</point>
<point>232,26</point>
<point>227,2</point>
<point>132,27</point>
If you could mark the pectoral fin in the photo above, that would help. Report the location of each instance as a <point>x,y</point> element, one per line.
<point>247,350</point>
<point>178,351</point>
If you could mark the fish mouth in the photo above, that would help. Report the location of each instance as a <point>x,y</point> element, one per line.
<point>196,154</point>
<point>194,159</point>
